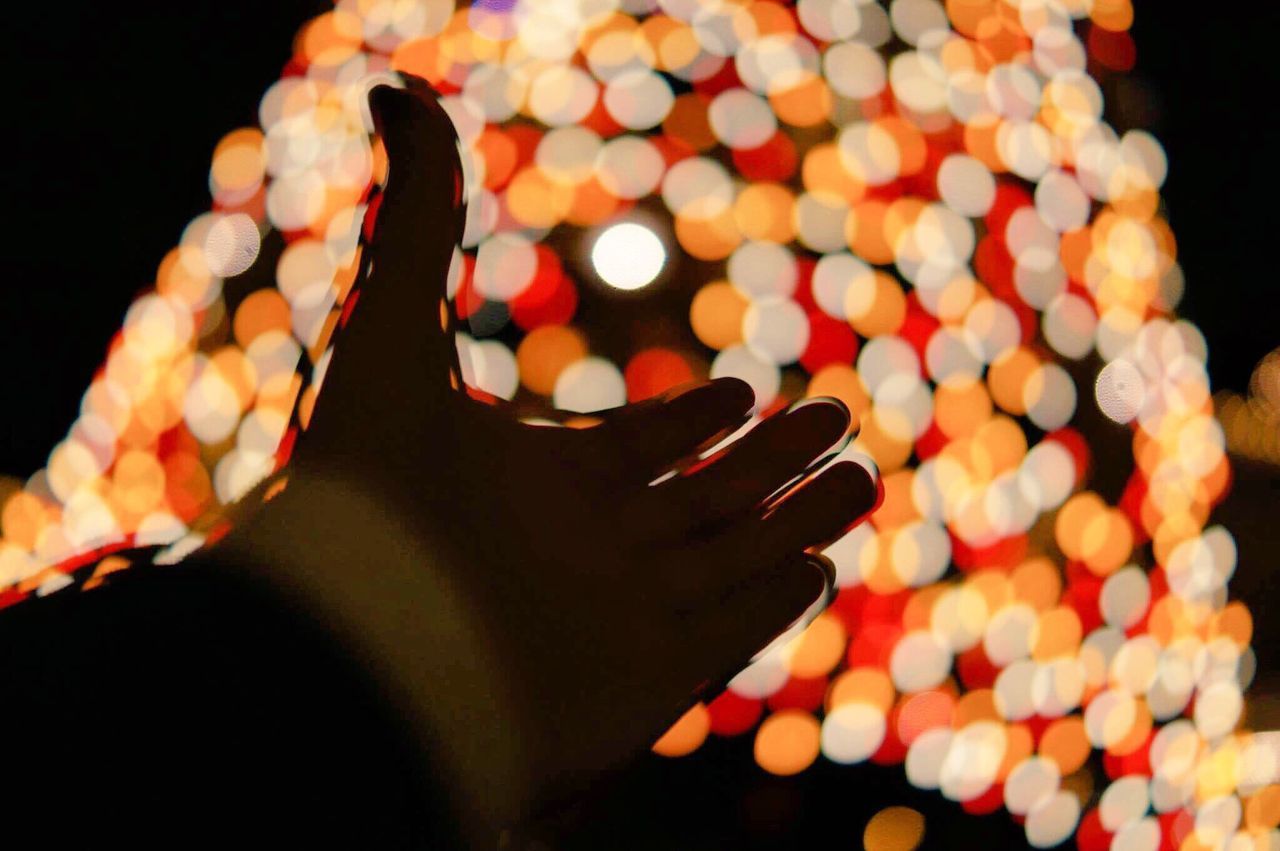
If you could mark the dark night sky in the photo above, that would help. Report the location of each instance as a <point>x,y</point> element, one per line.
<point>113,120</point>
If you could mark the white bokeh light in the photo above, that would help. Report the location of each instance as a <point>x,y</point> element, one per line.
<point>628,256</point>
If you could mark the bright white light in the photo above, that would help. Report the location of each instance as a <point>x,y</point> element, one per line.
<point>1120,390</point>
<point>628,256</point>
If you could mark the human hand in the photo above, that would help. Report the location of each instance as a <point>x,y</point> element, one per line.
<point>538,608</point>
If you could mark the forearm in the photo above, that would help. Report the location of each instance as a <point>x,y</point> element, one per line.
<point>183,699</point>
<point>364,569</point>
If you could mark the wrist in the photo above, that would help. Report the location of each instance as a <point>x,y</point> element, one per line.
<point>349,561</point>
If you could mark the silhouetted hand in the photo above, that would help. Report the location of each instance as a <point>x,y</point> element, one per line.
<point>539,609</point>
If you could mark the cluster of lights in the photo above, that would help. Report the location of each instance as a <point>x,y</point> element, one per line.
<point>1252,423</point>
<point>915,208</point>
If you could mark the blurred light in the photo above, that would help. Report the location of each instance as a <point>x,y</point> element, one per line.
<point>1119,390</point>
<point>894,829</point>
<point>628,256</point>
<point>232,245</point>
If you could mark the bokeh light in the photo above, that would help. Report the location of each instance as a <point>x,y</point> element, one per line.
<point>917,207</point>
<point>628,256</point>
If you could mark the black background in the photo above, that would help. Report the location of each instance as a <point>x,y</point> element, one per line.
<point>113,116</point>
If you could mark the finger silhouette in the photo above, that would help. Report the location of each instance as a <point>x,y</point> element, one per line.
<point>768,457</point>
<point>760,609</point>
<point>812,514</point>
<point>821,509</point>
<point>648,438</point>
<point>395,351</point>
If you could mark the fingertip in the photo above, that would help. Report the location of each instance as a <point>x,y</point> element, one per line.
<point>802,589</point>
<point>808,587</point>
<point>712,406</point>
<point>856,488</point>
<point>801,582</point>
<point>737,394</point>
<point>830,401</point>
<point>823,565</point>
<point>879,486</point>
<point>732,395</point>
<point>851,481</point>
<point>409,116</point>
<point>807,583</point>
<point>386,103</point>
<point>827,419</point>
<point>824,507</point>
<point>382,96</point>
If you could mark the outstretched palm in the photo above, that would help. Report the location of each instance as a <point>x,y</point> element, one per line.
<point>540,608</point>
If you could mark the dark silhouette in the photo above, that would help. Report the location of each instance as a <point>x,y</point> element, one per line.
<point>515,610</point>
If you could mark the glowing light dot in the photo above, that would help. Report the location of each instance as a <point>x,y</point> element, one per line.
<point>764,676</point>
<point>591,384</point>
<point>1030,784</point>
<point>505,266</point>
<point>854,70</point>
<point>1120,391</point>
<point>494,368</point>
<point>919,661</point>
<point>1126,800</point>
<point>776,329</point>
<point>925,757</point>
<point>628,256</point>
<point>894,829</point>
<point>1141,835</point>
<point>741,120</point>
<point>973,760</point>
<point>638,99</point>
<point>852,732</point>
<point>1218,708</point>
<point>232,245</point>
<point>966,185</point>
<point>686,735</point>
<point>1053,820</point>
<point>787,742</point>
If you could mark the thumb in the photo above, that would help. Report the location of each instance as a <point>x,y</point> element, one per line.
<point>395,362</point>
